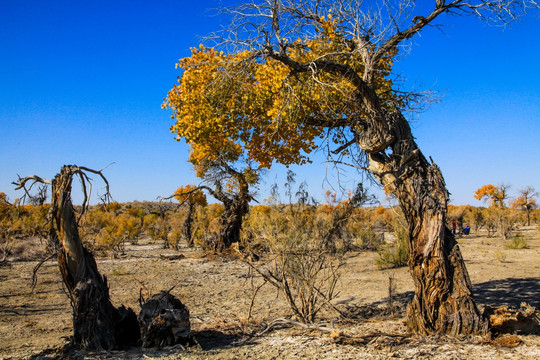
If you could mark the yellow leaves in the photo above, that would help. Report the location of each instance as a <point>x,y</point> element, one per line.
<point>496,195</point>
<point>190,194</point>
<point>234,104</point>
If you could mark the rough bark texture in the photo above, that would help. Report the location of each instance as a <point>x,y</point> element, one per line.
<point>231,222</point>
<point>164,321</point>
<point>97,324</point>
<point>236,207</point>
<point>443,301</point>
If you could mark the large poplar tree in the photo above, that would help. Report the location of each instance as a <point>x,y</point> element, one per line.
<point>289,76</point>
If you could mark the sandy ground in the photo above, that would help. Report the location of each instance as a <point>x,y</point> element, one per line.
<point>218,293</point>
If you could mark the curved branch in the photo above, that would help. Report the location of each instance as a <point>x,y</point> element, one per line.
<point>21,184</point>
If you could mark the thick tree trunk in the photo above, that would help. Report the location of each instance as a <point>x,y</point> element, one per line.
<point>231,223</point>
<point>235,210</point>
<point>443,301</point>
<point>97,324</point>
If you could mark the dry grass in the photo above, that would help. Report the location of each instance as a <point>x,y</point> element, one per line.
<point>218,293</point>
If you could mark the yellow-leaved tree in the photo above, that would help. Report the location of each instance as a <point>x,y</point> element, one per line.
<point>191,196</point>
<point>496,195</point>
<point>290,76</point>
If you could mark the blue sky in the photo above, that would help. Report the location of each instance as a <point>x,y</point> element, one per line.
<point>82,83</point>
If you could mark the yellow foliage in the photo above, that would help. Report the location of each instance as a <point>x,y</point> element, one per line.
<point>496,195</point>
<point>191,195</point>
<point>226,105</point>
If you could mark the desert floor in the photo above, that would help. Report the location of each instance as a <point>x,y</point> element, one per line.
<point>218,292</point>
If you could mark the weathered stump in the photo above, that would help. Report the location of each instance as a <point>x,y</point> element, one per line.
<point>525,320</point>
<point>164,321</point>
<point>99,325</point>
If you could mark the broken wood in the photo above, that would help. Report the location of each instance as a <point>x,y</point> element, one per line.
<point>97,324</point>
<point>164,321</point>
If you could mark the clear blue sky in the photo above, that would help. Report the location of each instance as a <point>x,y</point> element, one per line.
<point>81,82</point>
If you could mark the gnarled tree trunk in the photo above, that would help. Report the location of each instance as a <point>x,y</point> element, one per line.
<point>231,221</point>
<point>97,324</point>
<point>443,301</point>
<point>236,207</point>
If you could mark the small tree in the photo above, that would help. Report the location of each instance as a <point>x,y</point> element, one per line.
<point>191,196</point>
<point>496,195</point>
<point>526,201</point>
<point>498,216</point>
<point>231,188</point>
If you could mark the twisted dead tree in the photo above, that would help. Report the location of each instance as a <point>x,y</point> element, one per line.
<point>97,324</point>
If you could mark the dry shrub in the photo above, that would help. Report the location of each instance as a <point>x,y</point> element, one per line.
<point>175,221</point>
<point>393,255</point>
<point>206,225</point>
<point>156,227</point>
<point>298,261</point>
<point>396,253</point>
<point>500,256</point>
<point>367,239</point>
<point>517,242</point>
<point>306,278</point>
<point>107,230</point>
<point>500,221</point>
<point>174,237</point>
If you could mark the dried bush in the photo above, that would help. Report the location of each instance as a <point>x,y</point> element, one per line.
<point>517,242</point>
<point>500,221</point>
<point>307,278</point>
<point>109,230</point>
<point>156,227</point>
<point>500,256</point>
<point>395,254</point>
<point>298,262</point>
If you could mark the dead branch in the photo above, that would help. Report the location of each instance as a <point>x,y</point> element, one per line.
<point>283,321</point>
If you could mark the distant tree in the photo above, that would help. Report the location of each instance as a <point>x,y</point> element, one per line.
<point>497,217</point>
<point>231,187</point>
<point>40,197</point>
<point>192,196</point>
<point>496,195</point>
<point>526,201</point>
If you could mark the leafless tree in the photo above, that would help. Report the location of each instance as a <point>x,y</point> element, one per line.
<point>527,201</point>
<point>97,324</point>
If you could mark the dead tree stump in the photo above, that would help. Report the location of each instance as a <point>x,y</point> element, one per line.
<point>164,321</point>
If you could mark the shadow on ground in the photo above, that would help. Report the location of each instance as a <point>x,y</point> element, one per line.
<point>213,339</point>
<point>508,292</point>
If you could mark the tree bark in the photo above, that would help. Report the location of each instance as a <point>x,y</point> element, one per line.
<point>97,324</point>
<point>443,301</point>
<point>188,224</point>
<point>231,223</point>
<point>236,207</point>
